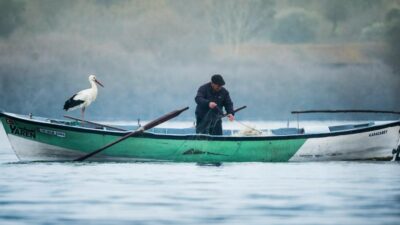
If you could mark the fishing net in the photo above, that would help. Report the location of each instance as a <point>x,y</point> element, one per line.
<point>210,124</point>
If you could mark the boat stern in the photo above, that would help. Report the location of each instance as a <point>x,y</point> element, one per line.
<point>371,143</point>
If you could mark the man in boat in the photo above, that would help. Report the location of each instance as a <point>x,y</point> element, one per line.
<point>210,99</point>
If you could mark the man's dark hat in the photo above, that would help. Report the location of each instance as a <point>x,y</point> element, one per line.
<point>217,79</point>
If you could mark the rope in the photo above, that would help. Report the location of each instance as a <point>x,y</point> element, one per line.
<point>241,123</point>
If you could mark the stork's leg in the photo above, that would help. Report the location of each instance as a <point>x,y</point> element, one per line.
<point>83,113</point>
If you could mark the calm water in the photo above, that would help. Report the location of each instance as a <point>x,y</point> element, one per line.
<point>186,193</point>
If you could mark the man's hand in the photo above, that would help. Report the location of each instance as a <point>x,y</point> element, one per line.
<point>231,117</point>
<point>212,105</point>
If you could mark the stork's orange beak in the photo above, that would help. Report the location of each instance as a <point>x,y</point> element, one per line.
<point>98,82</point>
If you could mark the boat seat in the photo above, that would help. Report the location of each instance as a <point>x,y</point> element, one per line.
<point>181,131</point>
<point>63,122</point>
<point>287,131</point>
<point>350,126</point>
<point>173,130</point>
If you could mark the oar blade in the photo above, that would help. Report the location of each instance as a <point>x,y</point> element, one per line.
<point>235,111</point>
<point>164,118</point>
<point>240,108</point>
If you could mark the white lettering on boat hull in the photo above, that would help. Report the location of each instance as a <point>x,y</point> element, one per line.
<point>358,146</point>
<point>52,132</point>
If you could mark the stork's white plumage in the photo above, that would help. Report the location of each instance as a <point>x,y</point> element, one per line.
<point>83,98</point>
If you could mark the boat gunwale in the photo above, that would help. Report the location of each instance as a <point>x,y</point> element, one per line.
<point>201,136</point>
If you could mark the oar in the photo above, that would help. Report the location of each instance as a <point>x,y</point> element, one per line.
<point>345,111</point>
<point>234,111</point>
<point>238,109</point>
<point>97,124</point>
<point>396,153</point>
<point>136,132</point>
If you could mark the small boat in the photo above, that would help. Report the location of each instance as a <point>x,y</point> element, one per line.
<point>41,139</point>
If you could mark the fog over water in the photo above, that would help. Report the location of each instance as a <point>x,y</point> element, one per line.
<point>151,56</point>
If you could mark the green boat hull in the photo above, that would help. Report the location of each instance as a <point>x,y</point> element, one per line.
<point>35,140</point>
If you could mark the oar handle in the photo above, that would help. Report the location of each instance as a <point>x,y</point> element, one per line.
<point>109,145</point>
<point>234,111</point>
<point>149,125</point>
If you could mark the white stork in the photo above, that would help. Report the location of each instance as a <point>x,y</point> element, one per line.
<point>83,98</point>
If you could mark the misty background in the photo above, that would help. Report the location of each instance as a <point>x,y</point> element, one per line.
<point>152,55</point>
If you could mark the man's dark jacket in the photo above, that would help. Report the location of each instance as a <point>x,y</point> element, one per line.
<point>206,94</point>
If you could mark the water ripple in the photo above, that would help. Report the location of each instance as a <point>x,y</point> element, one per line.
<point>184,193</point>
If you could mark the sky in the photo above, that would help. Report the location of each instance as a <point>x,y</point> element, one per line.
<point>152,55</point>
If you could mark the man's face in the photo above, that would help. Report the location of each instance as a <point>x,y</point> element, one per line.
<point>216,87</point>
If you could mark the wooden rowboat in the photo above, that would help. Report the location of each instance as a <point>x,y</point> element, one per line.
<point>42,139</point>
